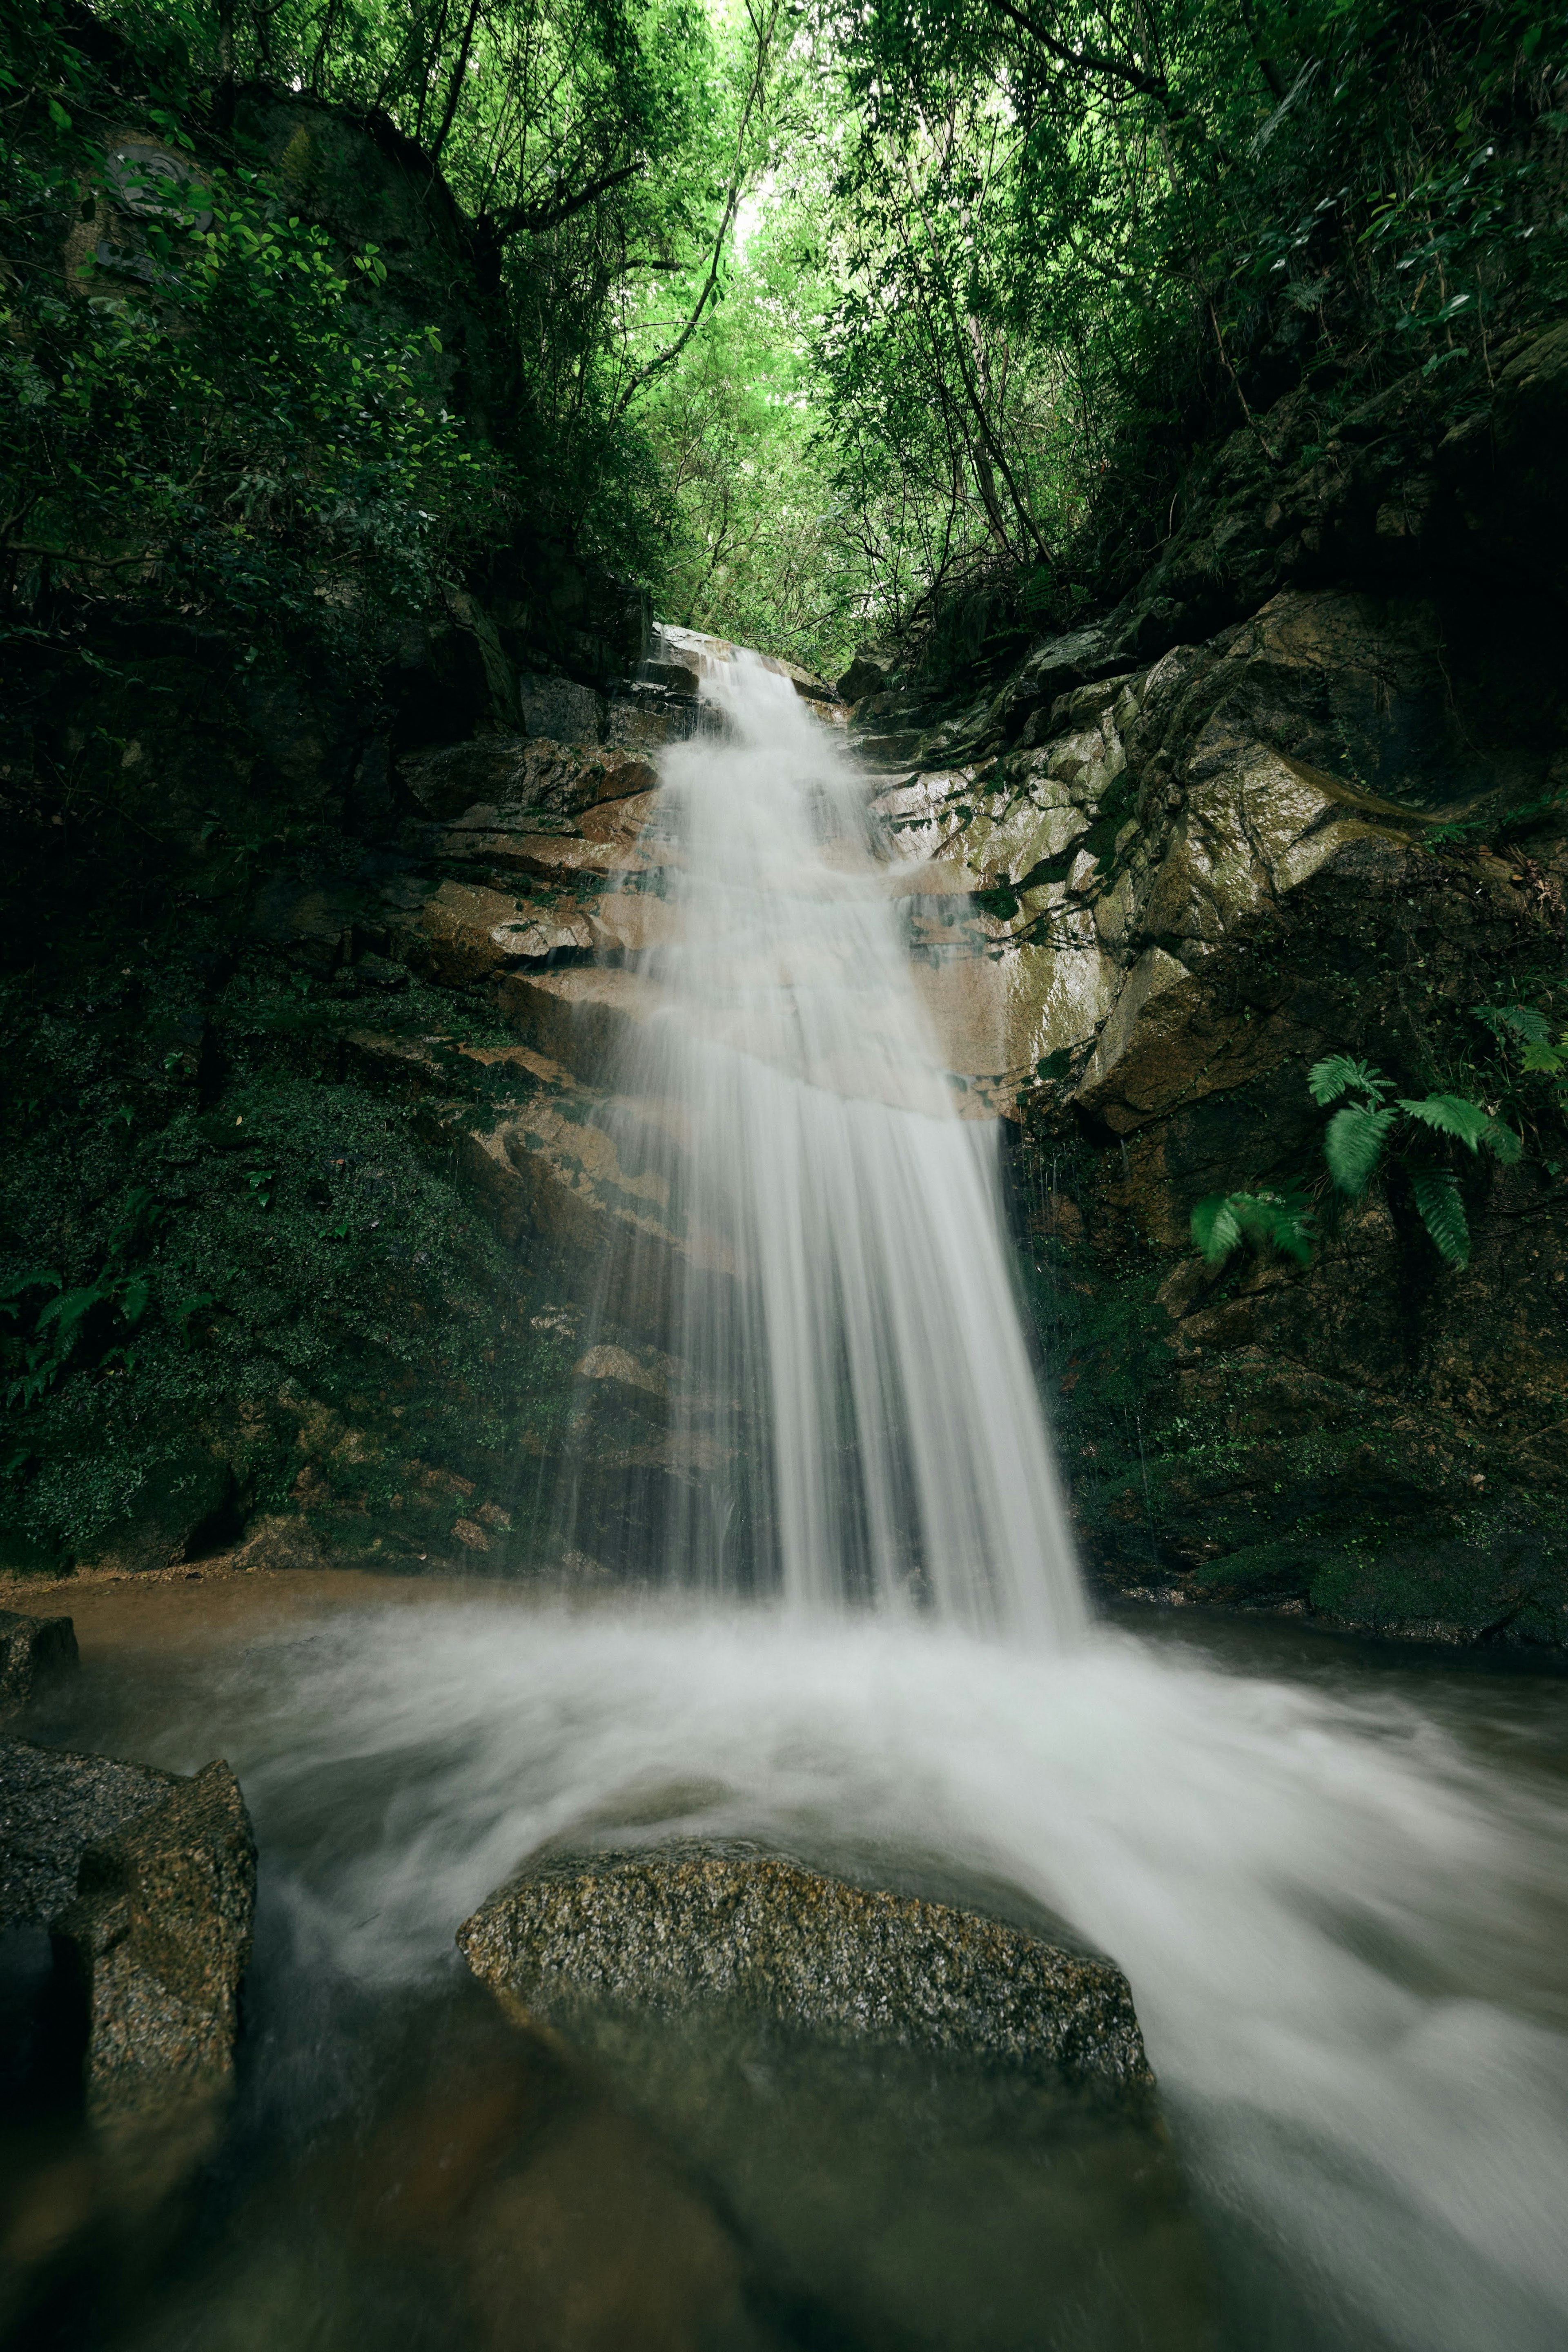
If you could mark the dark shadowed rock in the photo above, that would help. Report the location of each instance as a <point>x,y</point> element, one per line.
<point>34,1652</point>
<point>864,676</point>
<point>157,1940</point>
<point>679,1927</point>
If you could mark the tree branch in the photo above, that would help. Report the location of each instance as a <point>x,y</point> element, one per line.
<point>455,88</point>
<point>672,351</point>
<point>537,218</point>
<point>1088,61</point>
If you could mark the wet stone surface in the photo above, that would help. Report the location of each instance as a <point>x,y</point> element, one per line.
<point>52,1805</point>
<point>681,1925</point>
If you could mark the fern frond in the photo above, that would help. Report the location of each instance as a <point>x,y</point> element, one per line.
<point>1281,1221</point>
<point>1435,1192</point>
<point>1549,1060</point>
<point>1353,1146</point>
<point>1338,1075</point>
<point>1502,1143</point>
<point>1215,1230</point>
<point>1453,1115</point>
<point>1521,1021</point>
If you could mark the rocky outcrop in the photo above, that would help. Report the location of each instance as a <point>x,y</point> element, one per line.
<point>1303,794</point>
<point>684,1927</point>
<point>156,1940</point>
<point>35,1654</point>
<point>147,1884</point>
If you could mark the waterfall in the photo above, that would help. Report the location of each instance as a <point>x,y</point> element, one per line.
<point>857,1411</point>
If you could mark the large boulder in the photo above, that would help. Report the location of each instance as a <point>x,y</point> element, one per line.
<point>146,1882</point>
<point>686,1926</point>
<point>912,2115</point>
<point>53,1804</point>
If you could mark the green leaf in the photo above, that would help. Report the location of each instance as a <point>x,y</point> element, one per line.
<point>1503,1143</point>
<point>69,1308</point>
<point>1215,1230</point>
<point>1277,1221</point>
<point>12,1305</point>
<point>1353,1146</point>
<point>1551,1061</point>
<point>1521,1021</point>
<point>1435,1192</point>
<point>1338,1075</point>
<point>1453,1115</point>
<point>134,1296</point>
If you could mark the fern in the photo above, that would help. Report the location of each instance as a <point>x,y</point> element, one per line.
<point>1279,1220</point>
<point>1435,1192</point>
<point>1338,1075</point>
<point>1550,1061</point>
<point>1457,1116</point>
<point>1354,1143</point>
<point>1521,1021</point>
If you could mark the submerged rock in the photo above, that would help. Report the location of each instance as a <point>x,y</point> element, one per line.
<point>891,2100</point>
<point>672,1929</point>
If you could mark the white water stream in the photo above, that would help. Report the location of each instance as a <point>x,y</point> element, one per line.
<point>1339,1895</point>
<point>859,1361</point>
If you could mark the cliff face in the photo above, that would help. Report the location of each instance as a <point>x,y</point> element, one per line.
<point>1300,795</point>
<point>245,1293</point>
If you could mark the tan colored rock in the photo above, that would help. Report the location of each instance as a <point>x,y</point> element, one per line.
<point>619,1366</point>
<point>557,856</point>
<point>999,1013</point>
<point>1134,1047</point>
<point>453,938</point>
<point>583,1018</point>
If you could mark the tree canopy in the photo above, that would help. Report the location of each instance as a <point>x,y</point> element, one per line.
<point>821,319</point>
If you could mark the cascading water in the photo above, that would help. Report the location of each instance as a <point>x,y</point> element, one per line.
<point>857,1396</point>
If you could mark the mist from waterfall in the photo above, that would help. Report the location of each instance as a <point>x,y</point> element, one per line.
<point>857,1414</point>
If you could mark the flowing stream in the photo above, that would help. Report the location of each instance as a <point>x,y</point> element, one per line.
<point>1336,1882</point>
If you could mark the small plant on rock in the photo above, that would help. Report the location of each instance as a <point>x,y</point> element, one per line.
<point>1269,1220</point>
<point>1368,1129</point>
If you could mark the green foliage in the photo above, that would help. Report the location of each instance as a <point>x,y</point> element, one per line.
<point>1225,1222</point>
<point>1353,1145</point>
<point>220,413</point>
<point>1074,243</point>
<point>153,1311</point>
<point>1359,1133</point>
<point>1338,1075</point>
<point>77,1324</point>
<point>1435,1192</point>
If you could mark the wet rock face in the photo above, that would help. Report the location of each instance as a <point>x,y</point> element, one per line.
<point>53,1805</point>
<point>680,1927</point>
<point>34,1653</point>
<point>157,1939</point>
<point>147,1884</point>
